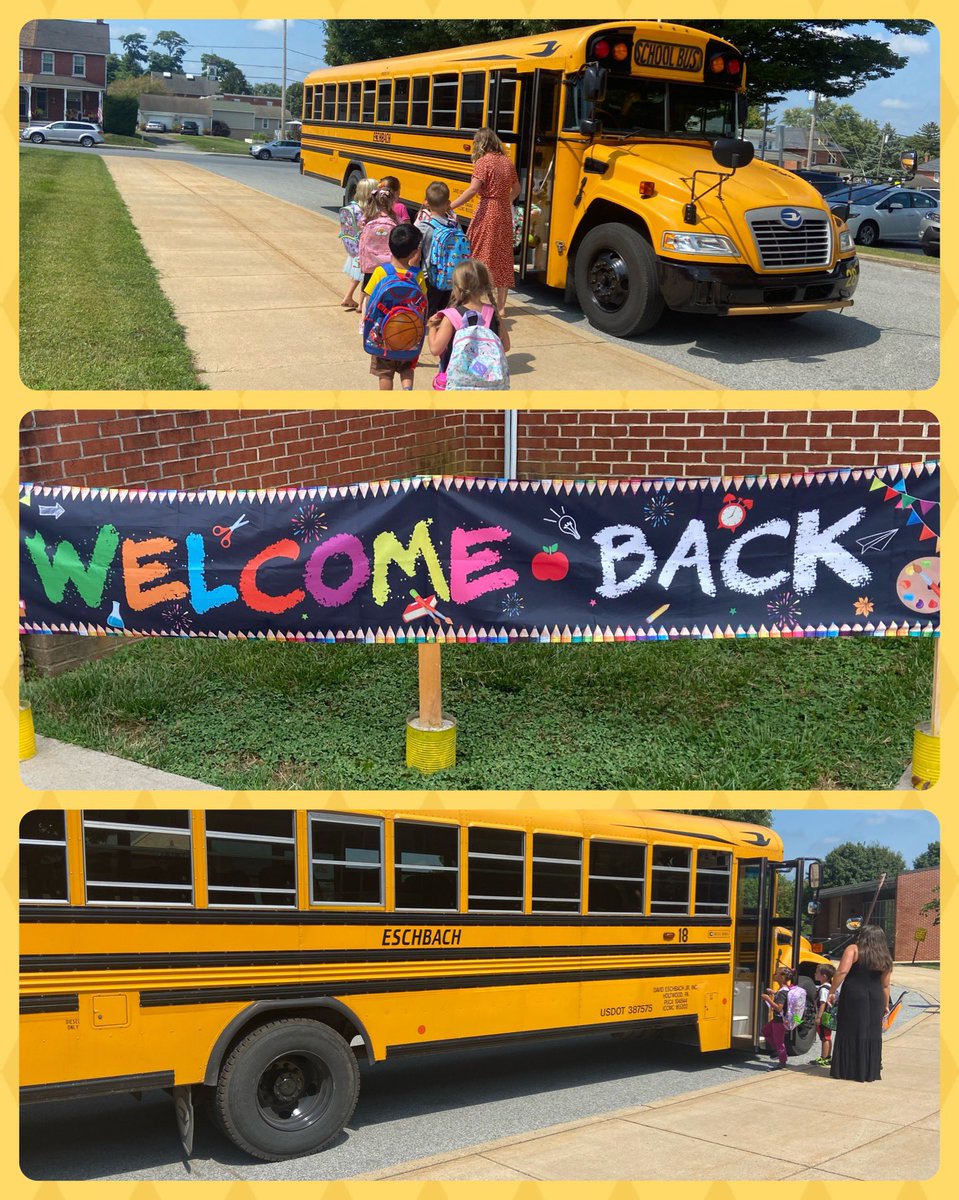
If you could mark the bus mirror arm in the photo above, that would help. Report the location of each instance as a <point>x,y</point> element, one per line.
<point>690,213</point>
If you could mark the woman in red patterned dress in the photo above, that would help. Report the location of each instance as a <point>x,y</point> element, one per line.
<point>491,229</point>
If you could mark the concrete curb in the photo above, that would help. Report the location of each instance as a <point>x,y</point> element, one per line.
<point>898,262</point>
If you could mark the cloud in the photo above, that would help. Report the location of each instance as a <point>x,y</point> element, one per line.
<point>897,104</point>
<point>909,44</point>
<point>271,26</point>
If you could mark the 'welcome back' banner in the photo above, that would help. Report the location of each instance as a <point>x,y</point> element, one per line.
<point>463,560</point>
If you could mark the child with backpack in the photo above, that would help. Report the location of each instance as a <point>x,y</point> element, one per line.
<point>776,999</point>
<point>351,225</point>
<point>445,245</point>
<point>468,337</point>
<point>378,224</point>
<point>825,1013</point>
<point>392,185</point>
<point>394,311</point>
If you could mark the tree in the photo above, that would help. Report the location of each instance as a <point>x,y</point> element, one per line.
<point>267,89</point>
<point>294,98</point>
<point>363,41</point>
<point>170,55</point>
<point>832,58</point>
<point>120,114</point>
<point>928,858</point>
<point>855,862</point>
<point>226,73</point>
<point>861,139</point>
<point>926,140</point>
<point>135,54</point>
<point>126,86</point>
<point>933,905</point>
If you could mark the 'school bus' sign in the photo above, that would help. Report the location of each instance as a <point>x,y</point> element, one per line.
<point>462,560</point>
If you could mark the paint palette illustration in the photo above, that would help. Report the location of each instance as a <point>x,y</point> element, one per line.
<point>918,585</point>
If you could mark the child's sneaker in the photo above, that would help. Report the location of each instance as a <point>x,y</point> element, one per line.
<point>823,1062</point>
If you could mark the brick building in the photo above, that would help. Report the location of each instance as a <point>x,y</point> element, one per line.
<point>63,70</point>
<point>898,911</point>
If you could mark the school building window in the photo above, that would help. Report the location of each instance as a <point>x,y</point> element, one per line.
<point>43,858</point>
<point>669,889</point>
<point>426,862</point>
<point>617,877</point>
<point>355,101</point>
<point>557,872</point>
<point>713,871</point>
<point>401,102</point>
<point>496,868</point>
<point>251,859</point>
<point>369,98</point>
<point>474,94</point>
<point>420,108</point>
<point>346,860</point>
<point>137,857</point>
<point>445,93</point>
<point>342,101</point>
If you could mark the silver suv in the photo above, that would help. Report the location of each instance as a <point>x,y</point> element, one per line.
<point>87,133</point>
<point>280,148</point>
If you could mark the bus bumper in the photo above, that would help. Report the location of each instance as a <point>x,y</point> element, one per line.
<point>733,290</point>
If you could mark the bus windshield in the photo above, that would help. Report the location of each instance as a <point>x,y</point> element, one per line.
<point>650,108</point>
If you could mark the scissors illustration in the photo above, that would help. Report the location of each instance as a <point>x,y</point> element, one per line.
<point>225,532</point>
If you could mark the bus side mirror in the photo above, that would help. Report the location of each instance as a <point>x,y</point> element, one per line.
<point>815,868</point>
<point>842,212</point>
<point>594,83</point>
<point>812,907</point>
<point>909,160</point>
<point>590,127</point>
<point>733,152</point>
<point>853,924</point>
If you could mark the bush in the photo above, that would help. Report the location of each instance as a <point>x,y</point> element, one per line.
<point>120,114</point>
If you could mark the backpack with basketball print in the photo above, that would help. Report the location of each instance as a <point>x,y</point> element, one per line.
<point>395,321</point>
<point>351,225</point>
<point>477,359</point>
<point>449,246</point>
<point>374,248</point>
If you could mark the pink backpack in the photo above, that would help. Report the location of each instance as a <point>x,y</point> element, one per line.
<point>375,244</point>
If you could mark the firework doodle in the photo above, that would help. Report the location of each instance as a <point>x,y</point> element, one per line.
<point>308,523</point>
<point>659,511</point>
<point>784,610</point>
<point>512,604</point>
<point>178,617</point>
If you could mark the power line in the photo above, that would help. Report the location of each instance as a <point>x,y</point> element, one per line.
<point>216,45</point>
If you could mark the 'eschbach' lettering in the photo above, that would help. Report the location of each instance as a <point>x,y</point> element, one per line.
<point>421,937</point>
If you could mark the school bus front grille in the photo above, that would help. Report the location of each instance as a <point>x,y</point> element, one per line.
<point>782,249</point>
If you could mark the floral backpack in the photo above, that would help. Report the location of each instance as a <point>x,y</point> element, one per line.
<point>795,1007</point>
<point>477,359</point>
<point>449,246</point>
<point>351,223</point>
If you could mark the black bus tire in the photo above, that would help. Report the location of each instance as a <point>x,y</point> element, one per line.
<point>349,188</point>
<point>616,282</point>
<point>800,1040</point>
<point>287,1089</point>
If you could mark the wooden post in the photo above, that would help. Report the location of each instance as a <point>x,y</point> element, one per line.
<point>431,686</point>
<point>934,722</point>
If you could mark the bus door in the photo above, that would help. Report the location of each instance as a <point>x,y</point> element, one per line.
<point>749,953</point>
<point>536,167</point>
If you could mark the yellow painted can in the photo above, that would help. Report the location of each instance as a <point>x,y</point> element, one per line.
<point>28,740</point>
<point>430,750</point>
<point>925,757</point>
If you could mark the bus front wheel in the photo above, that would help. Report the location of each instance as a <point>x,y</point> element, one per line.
<point>616,284</point>
<point>349,188</point>
<point>287,1089</point>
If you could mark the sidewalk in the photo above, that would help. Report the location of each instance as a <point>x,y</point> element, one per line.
<point>62,767</point>
<point>256,283</point>
<point>839,1131</point>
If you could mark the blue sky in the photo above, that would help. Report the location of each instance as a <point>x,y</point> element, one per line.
<point>812,833</point>
<point>907,100</point>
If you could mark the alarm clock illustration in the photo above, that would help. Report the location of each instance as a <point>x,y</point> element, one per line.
<point>733,512</point>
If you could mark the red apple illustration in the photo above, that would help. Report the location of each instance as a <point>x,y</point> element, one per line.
<point>550,563</point>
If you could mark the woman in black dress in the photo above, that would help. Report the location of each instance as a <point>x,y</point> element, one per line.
<point>865,971</point>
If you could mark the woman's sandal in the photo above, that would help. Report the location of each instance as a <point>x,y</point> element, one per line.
<point>349,306</point>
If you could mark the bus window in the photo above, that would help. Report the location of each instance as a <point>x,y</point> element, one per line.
<point>617,876</point>
<point>308,103</point>
<point>137,857</point>
<point>355,101</point>
<point>445,93</point>
<point>329,102</point>
<point>713,870</point>
<point>426,861</point>
<point>342,102</point>
<point>501,110</point>
<point>474,93</point>
<point>346,859</point>
<point>420,110</point>
<point>496,867</point>
<point>251,858</point>
<point>557,872</point>
<point>317,110</point>
<point>43,858</point>
<point>701,112</point>
<point>401,102</point>
<point>384,101</point>
<point>369,99</point>
<point>669,892</point>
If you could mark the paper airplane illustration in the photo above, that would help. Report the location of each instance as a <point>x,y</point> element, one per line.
<point>876,541</point>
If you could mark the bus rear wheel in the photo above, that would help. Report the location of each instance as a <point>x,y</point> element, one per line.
<point>349,188</point>
<point>287,1089</point>
<point>616,284</point>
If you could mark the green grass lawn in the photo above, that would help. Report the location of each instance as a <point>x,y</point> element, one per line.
<point>836,714</point>
<point>894,252</point>
<point>92,314</point>
<point>218,145</point>
<point>121,139</point>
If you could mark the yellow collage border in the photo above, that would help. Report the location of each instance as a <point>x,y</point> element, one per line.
<point>21,400</point>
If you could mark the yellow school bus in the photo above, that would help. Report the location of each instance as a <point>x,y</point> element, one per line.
<point>257,955</point>
<point>636,193</point>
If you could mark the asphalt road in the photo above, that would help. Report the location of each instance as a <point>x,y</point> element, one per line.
<point>409,1109</point>
<point>889,340</point>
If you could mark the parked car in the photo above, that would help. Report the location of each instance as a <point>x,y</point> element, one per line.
<point>220,129</point>
<point>189,127</point>
<point>889,215</point>
<point>87,133</point>
<point>154,127</point>
<point>279,148</point>
<point>824,182</point>
<point>929,233</point>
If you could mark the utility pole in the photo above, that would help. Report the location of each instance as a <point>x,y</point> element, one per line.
<point>765,128</point>
<point>812,130</point>
<point>283,89</point>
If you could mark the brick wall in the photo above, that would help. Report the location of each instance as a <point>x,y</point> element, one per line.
<point>913,890</point>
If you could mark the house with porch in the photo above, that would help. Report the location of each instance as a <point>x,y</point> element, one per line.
<point>63,70</point>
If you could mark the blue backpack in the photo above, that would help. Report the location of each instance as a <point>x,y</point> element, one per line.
<point>448,248</point>
<point>394,325</point>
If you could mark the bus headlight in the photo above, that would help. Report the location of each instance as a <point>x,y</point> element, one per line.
<point>845,241</point>
<point>679,242</point>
